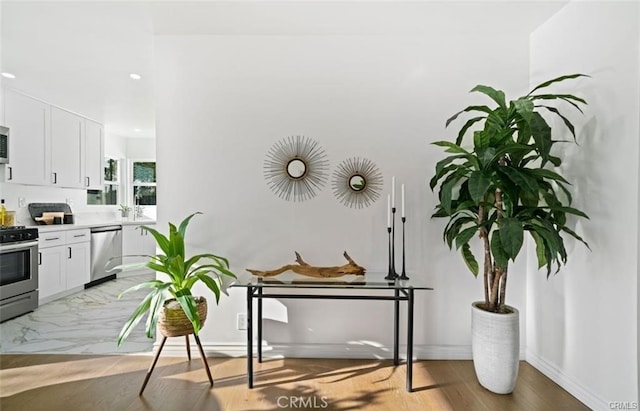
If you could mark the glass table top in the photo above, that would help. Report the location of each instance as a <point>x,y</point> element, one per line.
<point>369,281</point>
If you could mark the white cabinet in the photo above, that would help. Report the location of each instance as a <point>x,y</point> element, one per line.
<point>79,258</point>
<point>52,146</point>
<point>67,149</point>
<point>94,155</point>
<point>29,122</point>
<point>137,242</point>
<point>65,264</point>
<point>51,272</point>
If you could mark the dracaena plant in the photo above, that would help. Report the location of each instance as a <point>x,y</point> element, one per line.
<point>501,182</point>
<point>182,273</point>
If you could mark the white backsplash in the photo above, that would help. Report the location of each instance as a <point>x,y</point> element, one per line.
<point>76,198</point>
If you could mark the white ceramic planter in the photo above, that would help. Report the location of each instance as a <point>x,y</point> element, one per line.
<point>495,343</point>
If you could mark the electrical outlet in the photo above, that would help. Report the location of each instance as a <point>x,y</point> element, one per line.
<point>241,321</point>
<point>22,202</point>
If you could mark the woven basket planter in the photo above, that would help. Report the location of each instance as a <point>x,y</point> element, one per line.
<point>173,322</point>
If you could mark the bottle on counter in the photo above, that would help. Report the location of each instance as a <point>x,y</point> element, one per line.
<point>3,213</point>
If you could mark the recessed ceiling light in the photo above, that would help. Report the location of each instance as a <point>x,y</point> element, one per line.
<point>135,76</point>
<point>8,75</point>
<point>137,130</point>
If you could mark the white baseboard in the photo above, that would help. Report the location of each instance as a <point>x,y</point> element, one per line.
<point>346,351</point>
<point>568,383</point>
<point>359,350</point>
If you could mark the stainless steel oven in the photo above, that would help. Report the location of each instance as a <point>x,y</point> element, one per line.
<point>18,271</point>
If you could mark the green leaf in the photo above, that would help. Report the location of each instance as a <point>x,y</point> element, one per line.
<point>573,100</point>
<point>570,210</point>
<point>520,179</point>
<point>481,139</point>
<point>161,240</point>
<point>469,259</point>
<point>466,235</point>
<point>564,119</point>
<point>511,236</point>
<point>135,318</point>
<point>188,304</point>
<point>556,80</point>
<point>443,167</point>
<point>546,173</point>
<point>524,108</point>
<point>495,95</point>
<point>541,133</point>
<point>183,225</point>
<point>451,148</point>
<point>211,284</point>
<point>497,250</point>
<point>540,249</point>
<point>479,183</point>
<point>466,127</point>
<point>483,109</point>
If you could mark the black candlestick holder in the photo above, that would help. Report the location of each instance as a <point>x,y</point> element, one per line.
<point>391,274</point>
<point>403,275</point>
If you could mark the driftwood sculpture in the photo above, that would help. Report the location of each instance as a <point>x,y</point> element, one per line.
<point>304,268</point>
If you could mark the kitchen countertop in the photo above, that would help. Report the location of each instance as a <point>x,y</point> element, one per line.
<point>91,224</point>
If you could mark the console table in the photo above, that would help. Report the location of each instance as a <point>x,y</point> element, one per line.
<point>342,288</point>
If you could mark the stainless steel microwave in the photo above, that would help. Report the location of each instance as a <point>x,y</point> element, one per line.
<point>4,145</point>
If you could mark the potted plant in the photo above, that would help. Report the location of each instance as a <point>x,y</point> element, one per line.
<point>170,301</point>
<point>499,186</point>
<point>124,210</point>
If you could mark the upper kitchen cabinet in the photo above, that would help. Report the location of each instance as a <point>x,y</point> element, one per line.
<point>29,121</point>
<point>67,149</point>
<point>94,155</point>
<point>51,146</point>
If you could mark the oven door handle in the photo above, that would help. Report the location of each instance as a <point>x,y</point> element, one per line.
<point>19,246</point>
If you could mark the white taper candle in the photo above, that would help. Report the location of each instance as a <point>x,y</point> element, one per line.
<point>402,200</point>
<point>388,211</point>
<point>393,192</point>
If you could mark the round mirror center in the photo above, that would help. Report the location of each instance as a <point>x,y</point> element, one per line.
<point>357,182</point>
<point>296,168</point>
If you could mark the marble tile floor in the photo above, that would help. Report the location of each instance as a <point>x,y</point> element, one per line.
<point>87,322</point>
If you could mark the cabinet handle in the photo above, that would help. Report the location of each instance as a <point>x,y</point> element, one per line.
<point>88,180</point>
<point>55,178</point>
<point>69,251</point>
<point>39,258</point>
<point>79,235</point>
<point>52,238</point>
<point>10,173</point>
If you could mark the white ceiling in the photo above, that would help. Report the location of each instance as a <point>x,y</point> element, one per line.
<point>78,54</point>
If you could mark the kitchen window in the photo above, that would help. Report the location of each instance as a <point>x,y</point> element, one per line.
<point>144,182</point>
<point>110,194</point>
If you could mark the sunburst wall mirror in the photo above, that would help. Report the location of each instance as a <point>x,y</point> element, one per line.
<point>357,182</point>
<point>296,168</point>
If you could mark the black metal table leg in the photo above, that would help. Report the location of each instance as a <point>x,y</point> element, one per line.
<point>410,340</point>
<point>259,342</point>
<point>250,336</point>
<point>396,326</point>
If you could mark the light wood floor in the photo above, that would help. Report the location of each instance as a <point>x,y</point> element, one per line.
<point>76,382</point>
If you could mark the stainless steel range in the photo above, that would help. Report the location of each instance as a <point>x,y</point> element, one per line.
<point>18,271</point>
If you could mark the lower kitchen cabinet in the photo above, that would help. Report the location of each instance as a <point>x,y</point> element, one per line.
<point>64,263</point>
<point>138,242</point>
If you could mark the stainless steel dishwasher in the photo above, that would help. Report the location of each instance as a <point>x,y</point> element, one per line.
<point>106,243</point>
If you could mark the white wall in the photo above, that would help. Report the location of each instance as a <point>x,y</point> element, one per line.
<point>222,101</point>
<point>582,324</point>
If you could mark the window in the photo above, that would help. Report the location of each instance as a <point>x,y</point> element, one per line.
<point>109,195</point>
<point>144,182</point>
